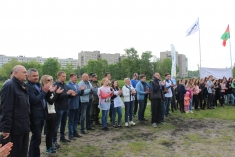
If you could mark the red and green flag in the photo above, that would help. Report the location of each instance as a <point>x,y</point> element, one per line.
<point>225,36</point>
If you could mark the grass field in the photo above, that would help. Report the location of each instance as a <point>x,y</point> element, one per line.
<point>208,133</point>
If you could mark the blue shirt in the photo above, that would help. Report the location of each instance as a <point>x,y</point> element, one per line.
<point>134,82</point>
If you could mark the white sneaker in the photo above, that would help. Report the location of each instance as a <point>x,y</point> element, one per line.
<point>126,124</point>
<point>132,123</point>
<point>190,111</point>
<point>154,125</point>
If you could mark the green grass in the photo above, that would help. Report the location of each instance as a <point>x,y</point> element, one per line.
<point>136,147</point>
<point>224,113</point>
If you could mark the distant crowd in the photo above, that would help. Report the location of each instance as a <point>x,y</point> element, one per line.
<point>29,105</point>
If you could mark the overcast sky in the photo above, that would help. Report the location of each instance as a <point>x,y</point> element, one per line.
<point>62,28</point>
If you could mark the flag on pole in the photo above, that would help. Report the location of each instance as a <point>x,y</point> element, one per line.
<point>194,28</point>
<point>225,36</point>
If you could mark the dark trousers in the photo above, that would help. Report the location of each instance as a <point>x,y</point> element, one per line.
<point>85,114</point>
<point>173,104</point>
<point>222,98</point>
<point>142,107</point>
<point>79,115</point>
<point>135,105</point>
<point>61,118</point>
<point>95,112</point>
<point>181,106</point>
<point>145,103</point>
<point>156,110</point>
<point>209,102</point>
<point>45,128</point>
<point>50,123</point>
<point>36,129</point>
<point>73,121</point>
<point>195,101</point>
<point>20,145</point>
<point>202,100</point>
<point>110,114</point>
<point>128,111</point>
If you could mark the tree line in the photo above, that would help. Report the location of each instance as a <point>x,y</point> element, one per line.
<point>131,63</point>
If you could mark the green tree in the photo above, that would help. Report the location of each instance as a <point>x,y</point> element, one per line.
<point>163,66</point>
<point>69,69</point>
<point>131,54</point>
<point>99,67</point>
<point>33,64</point>
<point>194,73</point>
<point>50,67</point>
<point>7,68</point>
<point>131,62</point>
<point>146,67</point>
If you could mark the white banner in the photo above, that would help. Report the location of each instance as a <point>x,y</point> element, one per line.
<point>217,73</point>
<point>173,67</point>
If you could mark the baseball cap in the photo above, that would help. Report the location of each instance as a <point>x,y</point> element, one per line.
<point>94,75</point>
<point>91,73</point>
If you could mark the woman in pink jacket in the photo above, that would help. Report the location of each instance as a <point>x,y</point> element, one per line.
<point>196,92</point>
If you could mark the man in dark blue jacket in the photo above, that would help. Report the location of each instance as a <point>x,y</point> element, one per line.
<point>37,102</point>
<point>156,96</point>
<point>73,107</point>
<point>15,121</point>
<point>61,107</point>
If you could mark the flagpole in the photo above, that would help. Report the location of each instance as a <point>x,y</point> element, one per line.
<point>200,51</point>
<point>231,56</point>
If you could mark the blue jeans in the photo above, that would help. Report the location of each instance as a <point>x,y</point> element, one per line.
<point>104,118</point>
<point>73,121</point>
<point>167,105</point>
<point>60,121</point>
<point>128,110</point>
<point>141,110</point>
<point>191,104</point>
<point>114,111</point>
<point>228,98</point>
<point>85,113</point>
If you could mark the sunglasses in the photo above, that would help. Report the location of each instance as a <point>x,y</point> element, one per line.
<point>49,80</point>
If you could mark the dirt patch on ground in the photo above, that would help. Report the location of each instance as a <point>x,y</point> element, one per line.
<point>177,137</point>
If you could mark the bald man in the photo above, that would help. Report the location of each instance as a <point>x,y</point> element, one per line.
<point>15,122</point>
<point>86,101</point>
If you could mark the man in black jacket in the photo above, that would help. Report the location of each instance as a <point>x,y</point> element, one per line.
<point>37,102</point>
<point>61,107</point>
<point>156,97</point>
<point>15,122</point>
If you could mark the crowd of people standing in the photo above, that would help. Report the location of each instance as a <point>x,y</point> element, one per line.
<point>42,103</point>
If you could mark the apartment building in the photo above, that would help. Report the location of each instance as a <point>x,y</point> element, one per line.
<point>181,62</point>
<point>85,56</point>
<point>5,59</point>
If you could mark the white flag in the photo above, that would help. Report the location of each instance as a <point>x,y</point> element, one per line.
<point>194,28</point>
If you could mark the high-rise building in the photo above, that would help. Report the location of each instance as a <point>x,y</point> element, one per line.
<point>183,65</point>
<point>111,58</point>
<point>167,54</point>
<point>63,62</point>
<point>85,56</point>
<point>181,62</point>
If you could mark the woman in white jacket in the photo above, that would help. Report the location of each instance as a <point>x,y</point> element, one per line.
<point>129,98</point>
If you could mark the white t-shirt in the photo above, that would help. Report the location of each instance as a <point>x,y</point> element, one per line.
<point>169,94</point>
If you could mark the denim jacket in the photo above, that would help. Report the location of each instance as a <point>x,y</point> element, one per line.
<point>87,95</point>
